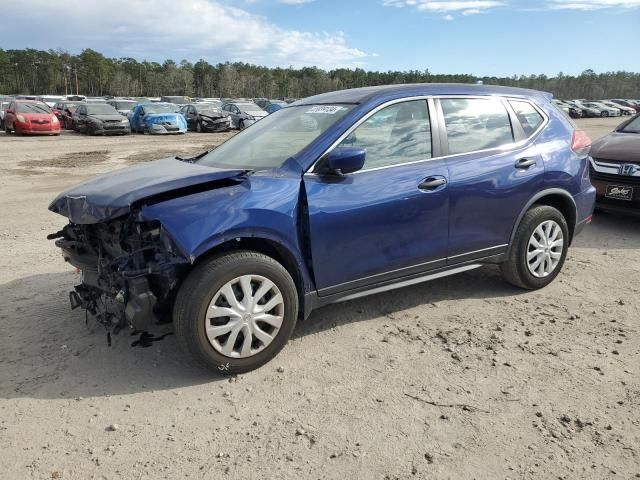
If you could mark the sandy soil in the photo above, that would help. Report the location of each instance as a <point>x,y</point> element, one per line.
<point>465,377</point>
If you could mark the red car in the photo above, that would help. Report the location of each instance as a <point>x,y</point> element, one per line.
<point>27,116</point>
<point>64,111</point>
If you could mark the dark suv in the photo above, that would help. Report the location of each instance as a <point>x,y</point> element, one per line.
<point>334,197</point>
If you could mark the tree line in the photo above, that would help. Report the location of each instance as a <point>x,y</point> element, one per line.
<point>31,71</point>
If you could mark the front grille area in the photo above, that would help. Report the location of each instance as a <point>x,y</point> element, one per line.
<point>611,178</point>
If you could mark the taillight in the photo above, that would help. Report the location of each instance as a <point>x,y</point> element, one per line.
<point>580,142</point>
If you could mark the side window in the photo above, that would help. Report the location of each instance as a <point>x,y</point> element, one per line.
<point>529,117</point>
<point>397,134</point>
<point>475,124</point>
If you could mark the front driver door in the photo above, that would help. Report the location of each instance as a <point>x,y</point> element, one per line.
<point>388,220</point>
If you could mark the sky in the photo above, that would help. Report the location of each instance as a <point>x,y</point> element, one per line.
<point>480,37</point>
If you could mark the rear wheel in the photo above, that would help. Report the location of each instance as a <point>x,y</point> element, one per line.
<point>198,127</point>
<point>235,312</point>
<point>539,249</point>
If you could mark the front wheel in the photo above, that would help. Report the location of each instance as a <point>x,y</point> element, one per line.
<point>199,127</point>
<point>539,249</point>
<point>604,114</point>
<point>241,125</point>
<point>235,312</point>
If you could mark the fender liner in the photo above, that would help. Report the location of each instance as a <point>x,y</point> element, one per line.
<point>546,193</point>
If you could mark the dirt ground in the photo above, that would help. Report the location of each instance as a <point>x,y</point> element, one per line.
<point>464,377</point>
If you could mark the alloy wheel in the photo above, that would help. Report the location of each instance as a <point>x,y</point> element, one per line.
<point>545,248</point>
<point>244,316</point>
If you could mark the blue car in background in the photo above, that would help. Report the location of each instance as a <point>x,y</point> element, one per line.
<point>157,118</point>
<point>337,196</point>
<point>275,105</point>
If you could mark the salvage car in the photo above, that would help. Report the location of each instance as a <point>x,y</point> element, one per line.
<point>122,106</point>
<point>335,197</point>
<point>3,108</point>
<point>627,103</point>
<point>622,108</point>
<point>50,100</point>
<point>587,112</point>
<point>178,99</point>
<point>157,118</point>
<point>615,168</point>
<point>99,119</point>
<point>605,110</point>
<point>243,114</point>
<point>206,117</point>
<point>64,111</point>
<point>571,110</point>
<point>275,105</point>
<point>30,117</point>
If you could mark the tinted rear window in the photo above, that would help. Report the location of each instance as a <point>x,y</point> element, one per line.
<point>529,117</point>
<point>475,124</point>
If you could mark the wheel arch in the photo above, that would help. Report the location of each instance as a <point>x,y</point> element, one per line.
<point>273,249</point>
<point>558,198</point>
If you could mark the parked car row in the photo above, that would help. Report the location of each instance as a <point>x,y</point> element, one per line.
<point>100,116</point>
<point>598,108</point>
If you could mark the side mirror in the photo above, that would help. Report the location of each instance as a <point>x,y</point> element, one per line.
<point>343,160</point>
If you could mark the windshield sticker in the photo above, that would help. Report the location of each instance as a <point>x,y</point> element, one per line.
<point>330,109</point>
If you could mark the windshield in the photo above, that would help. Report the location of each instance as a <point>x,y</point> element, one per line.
<point>274,139</point>
<point>160,108</point>
<point>125,105</point>
<point>249,107</point>
<point>207,108</point>
<point>33,108</point>
<point>98,109</point>
<point>632,127</point>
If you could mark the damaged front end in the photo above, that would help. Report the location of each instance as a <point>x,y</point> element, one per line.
<point>130,270</point>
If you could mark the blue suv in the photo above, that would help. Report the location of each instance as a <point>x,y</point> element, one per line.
<point>331,198</point>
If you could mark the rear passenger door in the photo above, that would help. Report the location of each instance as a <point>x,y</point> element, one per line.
<point>494,170</point>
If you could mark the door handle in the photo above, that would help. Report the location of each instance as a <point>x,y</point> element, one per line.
<point>525,163</point>
<point>431,183</point>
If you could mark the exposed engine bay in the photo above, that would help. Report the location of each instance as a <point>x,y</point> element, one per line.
<point>130,271</point>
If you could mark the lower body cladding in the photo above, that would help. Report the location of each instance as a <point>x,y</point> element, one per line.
<point>130,271</point>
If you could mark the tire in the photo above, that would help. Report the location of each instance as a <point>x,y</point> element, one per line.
<point>604,114</point>
<point>516,269</point>
<point>7,130</point>
<point>204,285</point>
<point>198,127</point>
<point>241,125</point>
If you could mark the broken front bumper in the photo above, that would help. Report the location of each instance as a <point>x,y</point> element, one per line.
<point>130,271</point>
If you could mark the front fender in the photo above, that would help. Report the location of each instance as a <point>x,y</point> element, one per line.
<point>263,207</point>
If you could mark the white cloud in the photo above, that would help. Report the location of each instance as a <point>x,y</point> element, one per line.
<point>162,29</point>
<point>591,4</point>
<point>465,7</point>
<point>448,17</point>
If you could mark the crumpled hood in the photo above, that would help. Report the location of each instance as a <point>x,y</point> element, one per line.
<point>162,117</point>
<point>214,115</point>
<point>109,196</point>
<point>617,146</point>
